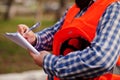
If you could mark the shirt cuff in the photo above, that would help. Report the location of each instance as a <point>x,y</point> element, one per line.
<point>49,64</point>
<point>38,42</point>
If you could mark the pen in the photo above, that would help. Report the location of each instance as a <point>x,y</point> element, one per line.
<point>33,27</point>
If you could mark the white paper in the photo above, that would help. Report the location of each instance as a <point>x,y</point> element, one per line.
<point>21,41</point>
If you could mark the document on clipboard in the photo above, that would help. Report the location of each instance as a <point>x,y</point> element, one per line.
<point>21,41</point>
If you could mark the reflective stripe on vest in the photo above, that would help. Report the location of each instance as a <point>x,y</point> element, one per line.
<point>84,26</point>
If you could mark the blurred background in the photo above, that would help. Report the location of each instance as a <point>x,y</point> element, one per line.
<point>13,12</point>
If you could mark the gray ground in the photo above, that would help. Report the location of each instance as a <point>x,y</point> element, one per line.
<point>29,75</point>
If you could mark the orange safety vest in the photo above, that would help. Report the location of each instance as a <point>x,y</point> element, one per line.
<point>83,26</point>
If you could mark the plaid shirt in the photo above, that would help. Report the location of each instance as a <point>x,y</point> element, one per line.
<point>95,60</point>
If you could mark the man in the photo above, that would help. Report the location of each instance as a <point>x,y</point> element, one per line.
<point>85,42</point>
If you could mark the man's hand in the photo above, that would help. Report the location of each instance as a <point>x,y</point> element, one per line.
<point>29,36</point>
<point>38,58</point>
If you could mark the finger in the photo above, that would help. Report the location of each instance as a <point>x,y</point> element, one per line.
<point>31,37</point>
<point>22,28</point>
<point>33,55</point>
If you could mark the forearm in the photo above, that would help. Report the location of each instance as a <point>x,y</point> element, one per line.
<point>91,62</point>
<point>88,63</point>
<point>45,37</point>
<point>96,59</point>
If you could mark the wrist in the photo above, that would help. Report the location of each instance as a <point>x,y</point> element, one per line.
<point>35,41</point>
<point>43,54</point>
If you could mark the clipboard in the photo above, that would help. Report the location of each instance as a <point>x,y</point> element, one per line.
<point>21,41</point>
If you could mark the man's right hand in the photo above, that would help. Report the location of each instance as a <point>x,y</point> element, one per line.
<point>29,36</point>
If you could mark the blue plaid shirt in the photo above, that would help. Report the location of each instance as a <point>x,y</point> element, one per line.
<point>95,60</point>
